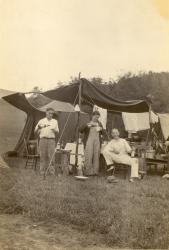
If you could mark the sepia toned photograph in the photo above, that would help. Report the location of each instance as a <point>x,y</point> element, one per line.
<point>84,124</point>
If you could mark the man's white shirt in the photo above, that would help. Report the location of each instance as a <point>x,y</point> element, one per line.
<point>50,129</point>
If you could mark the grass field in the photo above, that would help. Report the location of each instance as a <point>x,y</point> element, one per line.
<point>127,215</point>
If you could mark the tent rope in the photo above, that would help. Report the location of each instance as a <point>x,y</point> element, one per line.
<point>45,173</point>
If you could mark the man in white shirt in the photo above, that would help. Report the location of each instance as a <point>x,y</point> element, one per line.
<point>117,151</point>
<point>47,128</point>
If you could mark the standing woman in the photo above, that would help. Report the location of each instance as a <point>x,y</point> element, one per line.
<point>92,143</point>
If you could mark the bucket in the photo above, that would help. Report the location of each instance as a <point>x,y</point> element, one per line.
<point>150,153</point>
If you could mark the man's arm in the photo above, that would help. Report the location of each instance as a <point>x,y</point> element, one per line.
<point>108,147</point>
<point>39,126</point>
<point>127,147</point>
<point>55,127</point>
<point>83,128</point>
<point>36,128</point>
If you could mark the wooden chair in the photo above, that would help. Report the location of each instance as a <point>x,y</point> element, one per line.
<point>125,168</point>
<point>32,154</point>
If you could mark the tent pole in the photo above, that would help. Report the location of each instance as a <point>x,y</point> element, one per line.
<point>149,131</point>
<point>78,121</point>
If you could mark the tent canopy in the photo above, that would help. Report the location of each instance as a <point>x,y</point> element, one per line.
<point>94,95</point>
<point>70,94</point>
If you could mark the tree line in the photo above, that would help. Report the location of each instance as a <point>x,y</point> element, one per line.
<point>127,87</point>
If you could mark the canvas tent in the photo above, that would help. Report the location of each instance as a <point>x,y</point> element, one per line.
<point>8,134</point>
<point>89,95</point>
<point>20,101</point>
<point>164,123</point>
<point>3,164</point>
<point>11,123</point>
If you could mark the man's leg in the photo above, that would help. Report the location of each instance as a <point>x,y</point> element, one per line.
<point>43,155</point>
<point>89,157</point>
<point>96,156</point>
<point>108,158</point>
<point>134,168</point>
<point>51,155</point>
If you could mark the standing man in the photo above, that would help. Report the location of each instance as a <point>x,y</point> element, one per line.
<point>92,143</point>
<point>47,128</point>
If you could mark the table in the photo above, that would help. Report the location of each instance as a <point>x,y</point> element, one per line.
<point>72,148</point>
<point>62,161</point>
<point>155,162</point>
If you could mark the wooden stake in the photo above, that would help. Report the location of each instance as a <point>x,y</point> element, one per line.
<point>78,121</point>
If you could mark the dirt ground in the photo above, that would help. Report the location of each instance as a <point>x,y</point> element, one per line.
<point>20,233</point>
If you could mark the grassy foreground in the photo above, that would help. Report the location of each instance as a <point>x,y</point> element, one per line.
<point>132,215</point>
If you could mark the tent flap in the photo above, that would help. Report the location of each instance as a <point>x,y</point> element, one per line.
<point>138,121</point>
<point>164,122</point>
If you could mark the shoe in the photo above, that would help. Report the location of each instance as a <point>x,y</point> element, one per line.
<point>140,177</point>
<point>112,179</point>
<point>131,180</point>
<point>142,172</point>
<point>111,167</point>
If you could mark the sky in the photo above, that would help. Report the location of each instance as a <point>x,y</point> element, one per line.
<point>43,42</point>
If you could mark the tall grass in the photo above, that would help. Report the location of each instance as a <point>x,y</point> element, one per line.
<point>133,215</point>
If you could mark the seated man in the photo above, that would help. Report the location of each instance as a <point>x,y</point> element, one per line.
<point>117,151</point>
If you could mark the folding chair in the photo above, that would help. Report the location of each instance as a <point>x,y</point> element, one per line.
<point>32,155</point>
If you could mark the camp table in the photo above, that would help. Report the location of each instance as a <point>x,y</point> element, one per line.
<point>155,162</point>
<point>62,161</point>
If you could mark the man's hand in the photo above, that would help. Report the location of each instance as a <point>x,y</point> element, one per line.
<point>91,124</point>
<point>116,152</point>
<point>42,126</point>
<point>98,128</point>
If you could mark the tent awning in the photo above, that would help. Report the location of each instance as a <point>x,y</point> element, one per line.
<point>94,95</point>
<point>20,101</point>
<point>90,94</point>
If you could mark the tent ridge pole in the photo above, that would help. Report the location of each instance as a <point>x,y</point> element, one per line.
<point>78,121</point>
<point>80,90</point>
